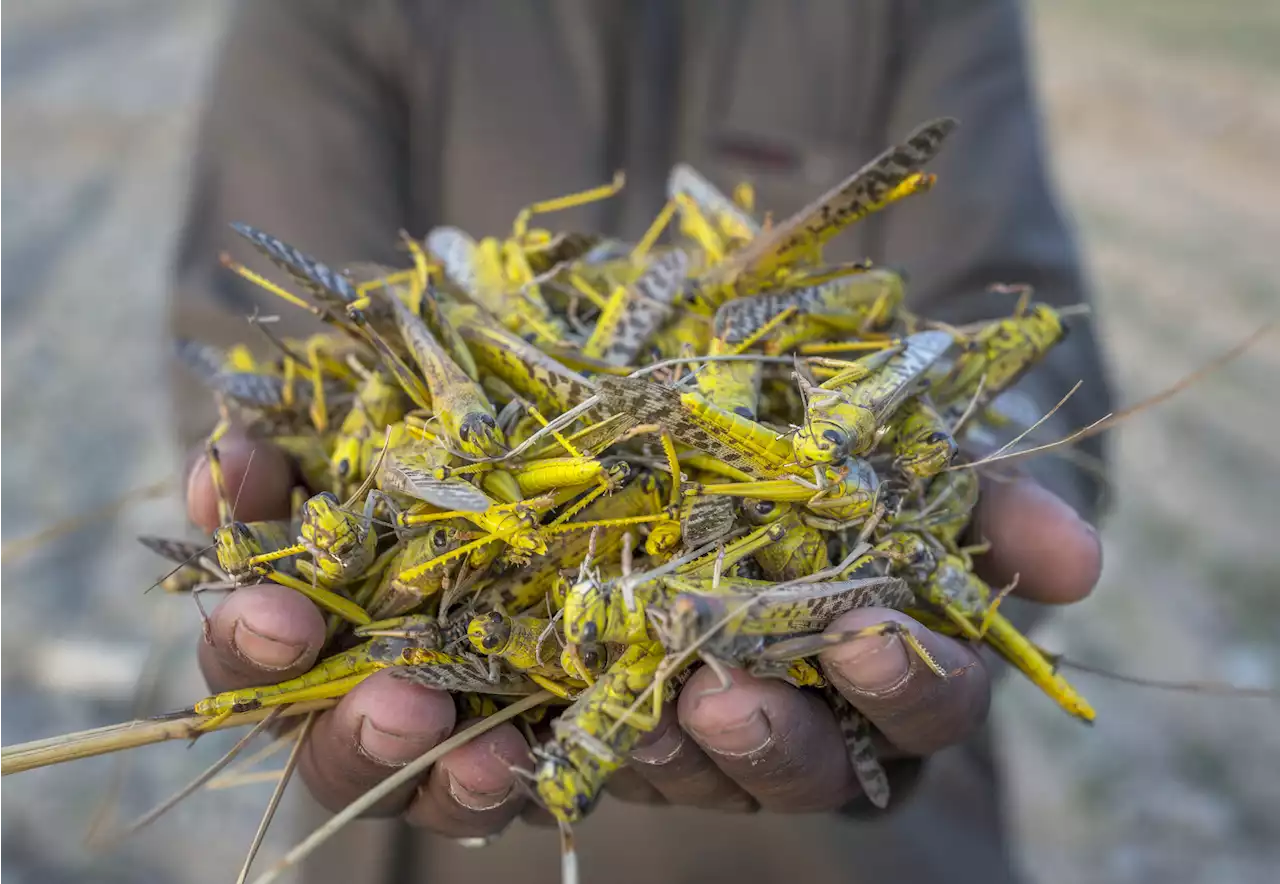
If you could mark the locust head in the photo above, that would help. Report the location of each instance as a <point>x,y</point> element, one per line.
<point>928,456</point>
<point>764,512</point>
<point>235,544</point>
<point>489,633</point>
<point>480,436</point>
<point>339,542</point>
<point>820,441</point>
<point>585,661</point>
<point>585,612</point>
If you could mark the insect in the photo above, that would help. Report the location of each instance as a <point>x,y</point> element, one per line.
<point>588,745</point>
<point>853,304</point>
<point>921,440</point>
<point>945,583</point>
<point>844,415</point>
<point>891,176</point>
<point>1000,353</point>
<point>708,217</point>
<point>252,549</point>
<point>524,643</point>
<point>457,401</point>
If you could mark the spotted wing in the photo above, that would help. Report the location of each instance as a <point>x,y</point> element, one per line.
<point>637,311</point>
<point>706,519</point>
<point>863,192</point>
<point>651,403</point>
<point>399,477</point>
<point>325,284</point>
<point>182,552</point>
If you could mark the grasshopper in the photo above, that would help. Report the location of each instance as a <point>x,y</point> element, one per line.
<point>593,736</point>
<point>800,551</point>
<point>946,583</point>
<point>410,647</point>
<point>854,304</point>
<point>489,271</point>
<point>921,440</point>
<point>520,642</point>
<point>248,550</point>
<point>618,611</point>
<point>891,176</point>
<point>999,354</point>
<point>845,414</point>
<point>457,401</point>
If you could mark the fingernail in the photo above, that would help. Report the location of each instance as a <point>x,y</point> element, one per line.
<point>478,799</point>
<point>750,736</point>
<point>661,750</point>
<point>873,664</point>
<point>264,651</point>
<point>389,748</point>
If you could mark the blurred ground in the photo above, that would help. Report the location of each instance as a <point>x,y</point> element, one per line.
<point>1164,128</point>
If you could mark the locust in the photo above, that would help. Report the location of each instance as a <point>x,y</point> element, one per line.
<point>891,176</point>
<point>844,415</point>
<point>707,216</point>
<point>589,745</point>
<point>248,550</point>
<point>527,644</point>
<point>490,271</point>
<point>999,354</point>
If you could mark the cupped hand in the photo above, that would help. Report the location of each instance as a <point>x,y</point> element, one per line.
<point>267,633</point>
<point>759,743</point>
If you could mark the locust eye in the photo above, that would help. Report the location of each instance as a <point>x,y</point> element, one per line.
<point>835,437</point>
<point>440,540</point>
<point>344,468</point>
<point>241,531</point>
<point>329,497</point>
<point>491,642</point>
<point>764,507</point>
<point>591,659</point>
<point>589,632</point>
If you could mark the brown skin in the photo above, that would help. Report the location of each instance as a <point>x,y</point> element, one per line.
<point>760,744</point>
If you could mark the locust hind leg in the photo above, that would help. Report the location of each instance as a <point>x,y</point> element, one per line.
<point>857,732</point>
<point>811,645</point>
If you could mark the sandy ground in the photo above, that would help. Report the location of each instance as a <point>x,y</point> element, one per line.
<point>1165,131</point>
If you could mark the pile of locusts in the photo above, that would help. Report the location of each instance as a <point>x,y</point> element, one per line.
<point>556,462</point>
<point>553,473</point>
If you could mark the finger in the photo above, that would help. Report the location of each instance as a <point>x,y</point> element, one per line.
<point>258,479</point>
<point>918,711</point>
<point>779,744</point>
<point>672,763</point>
<point>627,785</point>
<point>1037,538</point>
<point>472,791</point>
<point>380,726</point>
<point>260,635</point>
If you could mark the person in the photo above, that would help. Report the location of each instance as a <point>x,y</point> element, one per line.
<point>334,125</point>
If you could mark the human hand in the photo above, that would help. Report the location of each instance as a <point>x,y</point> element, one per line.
<point>268,633</point>
<point>759,744</point>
